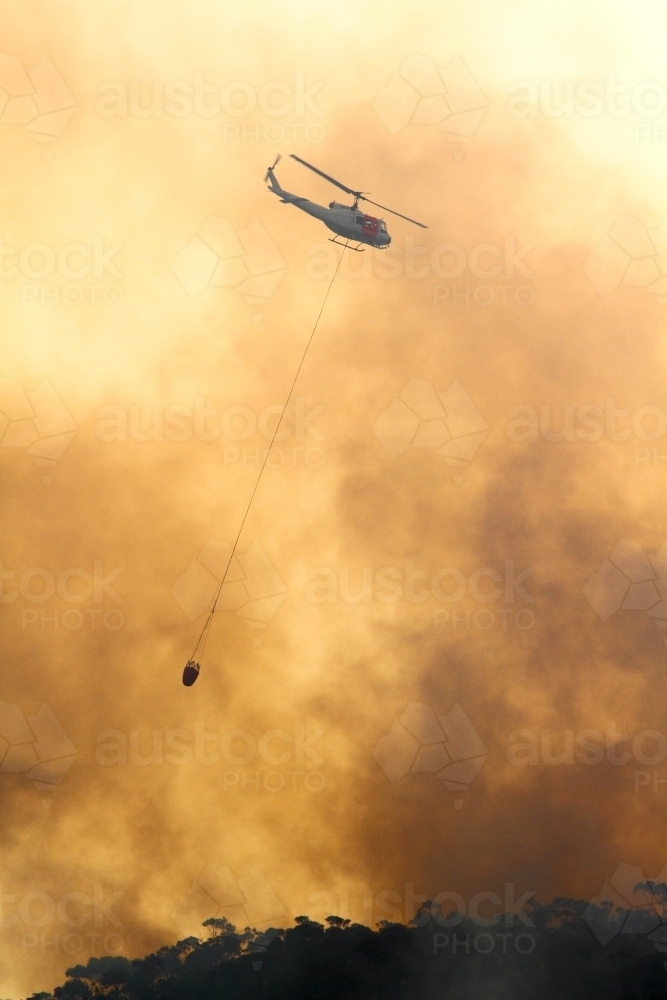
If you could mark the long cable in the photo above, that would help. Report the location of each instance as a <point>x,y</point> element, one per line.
<point>201,642</point>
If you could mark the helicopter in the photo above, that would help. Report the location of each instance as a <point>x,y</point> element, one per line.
<point>348,221</point>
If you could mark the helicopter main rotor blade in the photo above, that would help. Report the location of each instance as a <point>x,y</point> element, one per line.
<point>332,180</point>
<point>357,194</point>
<point>384,207</point>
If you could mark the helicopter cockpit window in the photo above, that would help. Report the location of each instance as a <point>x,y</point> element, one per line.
<point>359,219</point>
<point>383,228</point>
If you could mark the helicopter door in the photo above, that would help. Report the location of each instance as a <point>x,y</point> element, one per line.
<point>370,226</point>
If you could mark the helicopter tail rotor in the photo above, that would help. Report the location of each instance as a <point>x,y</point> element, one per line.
<point>272,167</point>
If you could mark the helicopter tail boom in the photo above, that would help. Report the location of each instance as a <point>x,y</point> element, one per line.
<point>275,188</point>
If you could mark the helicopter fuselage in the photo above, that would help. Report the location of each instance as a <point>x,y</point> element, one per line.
<point>346,221</point>
<point>351,223</point>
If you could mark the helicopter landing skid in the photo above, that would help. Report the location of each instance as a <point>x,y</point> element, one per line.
<point>346,245</point>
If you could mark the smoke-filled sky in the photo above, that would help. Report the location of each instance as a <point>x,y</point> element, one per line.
<point>438,666</point>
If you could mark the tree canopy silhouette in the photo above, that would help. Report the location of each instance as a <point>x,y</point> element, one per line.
<point>554,955</point>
